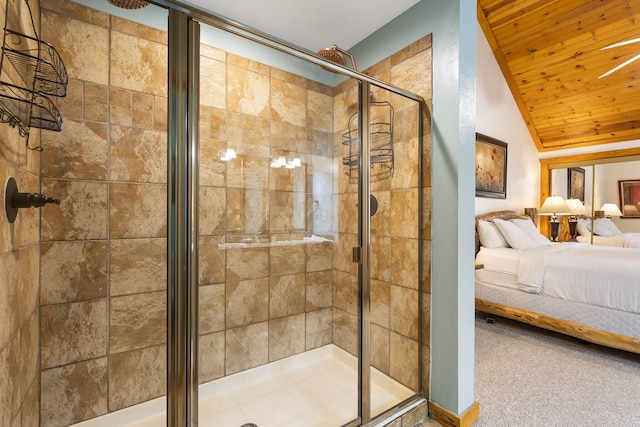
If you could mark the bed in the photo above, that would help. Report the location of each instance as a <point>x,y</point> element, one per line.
<point>563,287</point>
<point>605,233</point>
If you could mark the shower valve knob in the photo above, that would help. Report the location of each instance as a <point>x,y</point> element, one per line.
<point>14,200</point>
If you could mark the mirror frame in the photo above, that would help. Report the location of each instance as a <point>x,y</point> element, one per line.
<point>587,159</point>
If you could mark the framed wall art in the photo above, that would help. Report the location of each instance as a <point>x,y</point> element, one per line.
<point>491,167</point>
<point>629,197</point>
<point>575,184</point>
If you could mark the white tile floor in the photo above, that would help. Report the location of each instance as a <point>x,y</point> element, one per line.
<point>317,388</point>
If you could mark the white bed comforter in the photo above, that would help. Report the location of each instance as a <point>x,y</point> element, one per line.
<point>597,275</point>
<point>625,240</point>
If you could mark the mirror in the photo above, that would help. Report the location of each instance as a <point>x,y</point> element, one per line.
<point>602,171</point>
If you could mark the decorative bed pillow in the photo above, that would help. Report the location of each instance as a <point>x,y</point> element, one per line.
<point>530,229</point>
<point>490,236</point>
<point>605,227</point>
<point>517,236</point>
<point>584,227</point>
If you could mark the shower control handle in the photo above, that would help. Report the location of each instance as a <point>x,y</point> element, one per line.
<point>31,200</point>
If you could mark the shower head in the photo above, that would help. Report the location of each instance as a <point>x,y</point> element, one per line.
<point>336,54</point>
<point>129,4</point>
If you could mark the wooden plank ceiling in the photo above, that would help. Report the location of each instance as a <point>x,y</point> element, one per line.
<point>550,53</point>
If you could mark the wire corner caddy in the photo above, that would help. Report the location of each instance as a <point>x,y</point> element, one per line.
<point>38,66</point>
<point>381,151</point>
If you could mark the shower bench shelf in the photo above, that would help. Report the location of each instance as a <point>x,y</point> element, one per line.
<point>381,140</point>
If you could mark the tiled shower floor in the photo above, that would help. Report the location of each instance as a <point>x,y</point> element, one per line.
<point>317,388</point>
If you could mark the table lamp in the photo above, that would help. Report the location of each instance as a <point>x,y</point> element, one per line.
<point>554,206</point>
<point>577,208</point>
<point>611,209</point>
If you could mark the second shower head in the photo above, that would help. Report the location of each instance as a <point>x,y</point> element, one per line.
<point>336,54</point>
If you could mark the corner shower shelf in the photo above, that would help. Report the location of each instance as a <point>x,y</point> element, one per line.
<point>381,140</point>
<point>43,73</point>
<point>37,62</point>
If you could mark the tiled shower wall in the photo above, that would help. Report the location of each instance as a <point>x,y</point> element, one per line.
<point>19,265</point>
<point>397,229</point>
<point>103,274</point>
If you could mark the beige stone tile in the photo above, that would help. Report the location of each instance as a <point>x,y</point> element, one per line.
<point>137,210</point>
<point>426,367</point>
<point>138,30</point>
<point>381,261</point>
<point>319,256</point>
<point>142,110</point>
<point>342,253</point>
<point>380,303</point>
<point>211,260</point>
<point>247,211</point>
<point>120,107</point>
<point>284,260</point>
<point>137,376</point>
<point>404,213</point>
<point>82,213</point>
<point>30,411</point>
<point>73,332</point>
<point>319,111</point>
<point>286,336</point>
<point>96,102</point>
<point>71,106</point>
<point>71,8</point>
<point>211,303</point>
<point>284,179</point>
<point>345,291</point>
<point>74,393</point>
<point>319,328</point>
<point>212,169</point>
<point>380,352</point>
<point>12,359</point>
<point>213,123</point>
<point>137,321</point>
<point>247,347</point>
<point>426,214</point>
<point>83,47</point>
<point>213,82</point>
<point>211,357</point>
<point>404,256</point>
<point>287,211</point>
<point>29,354</point>
<point>404,360</point>
<point>79,151</point>
<point>348,212</point>
<point>73,271</point>
<point>247,302</point>
<point>160,113</point>
<point>9,297</point>
<point>212,52</point>
<point>29,279</point>
<point>405,174</point>
<point>138,64</point>
<point>8,382</point>
<point>250,169</point>
<point>409,74</point>
<point>248,92</point>
<point>426,317</point>
<point>288,102</point>
<point>415,416</point>
<point>345,331</point>
<point>243,62</point>
<point>26,227</point>
<point>247,263</point>
<point>286,295</point>
<point>319,292</point>
<point>137,265</point>
<point>404,311</point>
<point>212,210</point>
<point>138,155</point>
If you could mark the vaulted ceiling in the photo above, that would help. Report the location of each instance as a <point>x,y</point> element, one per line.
<point>550,52</point>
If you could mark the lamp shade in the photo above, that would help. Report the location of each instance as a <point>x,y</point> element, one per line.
<point>554,205</point>
<point>611,209</point>
<point>576,206</point>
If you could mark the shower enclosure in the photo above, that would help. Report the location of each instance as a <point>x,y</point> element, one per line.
<point>297,233</point>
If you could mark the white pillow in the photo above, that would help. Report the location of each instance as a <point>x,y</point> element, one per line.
<point>584,227</point>
<point>490,236</point>
<point>530,230</point>
<point>516,237</point>
<point>605,227</point>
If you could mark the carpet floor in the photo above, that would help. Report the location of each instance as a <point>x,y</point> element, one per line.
<point>529,377</point>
